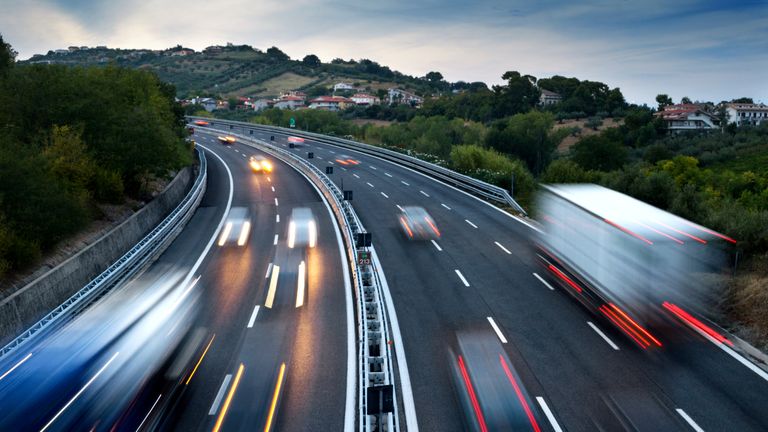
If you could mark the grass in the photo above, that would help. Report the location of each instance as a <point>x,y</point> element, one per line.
<point>746,302</point>
<point>277,85</point>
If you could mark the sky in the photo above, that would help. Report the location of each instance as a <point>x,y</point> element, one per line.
<point>706,50</point>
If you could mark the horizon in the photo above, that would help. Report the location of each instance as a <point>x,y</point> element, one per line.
<point>686,49</point>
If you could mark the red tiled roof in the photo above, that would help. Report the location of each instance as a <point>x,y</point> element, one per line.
<point>336,99</point>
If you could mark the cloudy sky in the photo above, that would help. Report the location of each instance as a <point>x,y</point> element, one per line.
<point>706,50</point>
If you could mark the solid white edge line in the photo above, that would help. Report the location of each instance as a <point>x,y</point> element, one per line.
<point>548,413</point>
<point>461,276</point>
<point>269,270</point>
<point>77,395</point>
<point>503,248</point>
<point>602,335</point>
<point>220,395</point>
<point>385,195</point>
<point>445,206</point>
<point>497,330</point>
<point>26,357</point>
<point>689,420</point>
<point>738,357</point>
<point>470,223</point>
<point>148,413</point>
<point>275,242</point>
<point>411,423</point>
<point>541,279</point>
<point>437,245</point>
<point>253,316</point>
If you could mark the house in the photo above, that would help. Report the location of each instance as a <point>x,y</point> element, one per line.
<point>549,98</point>
<point>61,51</point>
<point>331,103</point>
<point>208,103</point>
<point>261,104</point>
<point>746,113</point>
<point>397,95</point>
<point>183,52</point>
<point>289,102</point>
<point>213,49</point>
<point>687,117</point>
<point>343,86</point>
<point>363,99</point>
<point>299,94</point>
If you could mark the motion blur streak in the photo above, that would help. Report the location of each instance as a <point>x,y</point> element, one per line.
<point>244,233</point>
<point>149,412</point>
<point>636,325</point>
<point>519,394</point>
<point>628,231</point>
<point>629,326</point>
<point>686,317</point>
<point>275,397</point>
<point>225,234</point>
<point>678,241</point>
<point>16,365</point>
<point>691,236</point>
<point>472,395</point>
<point>434,228</point>
<point>618,323</point>
<point>77,395</point>
<point>291,234</point>
<point>230,395</point>
<point>300,284</point>
<point>272,286</point>
<point>714,233</point>
<point>197,365</point>
<point>312,233</point>
<point>407,228</point>
<point>562,276</point>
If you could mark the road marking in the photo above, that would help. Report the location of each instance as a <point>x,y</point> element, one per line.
<point>548,413</point>
<point>385,195</point>
<point>269,270</point>
<point>355,176</point>
<point>242,154</point>
<point>602,335</point>
<point>461,276</point>
<point>369,184</point>
<point>269,179</point>
<point>202,356</point>
<point>277,218</point>
<point>445,206</point>
<point>398,206</point>
<point>276,201</point>
<point>331,163</point>
<point>688,419</point>
<point>470,222</point>
<point>275,397</point>
<point>272,287</point>
<point>300,284</point>
<point>253,316</point>
<point>275,242</point>
<point>404,183</point>
<point>332,151</point>
<point>503,248</point>
<point>343,168</point>
<point>236,150</point>
<point>77,395</point>
<point>437,245</point>
<point>150,412</point>
<point>388,174</point>
<point>230,395</point>
<point>372,167</point>
<point>497,330</point>
<point>15,366</point>
<point>424,193</point>
<point>319,157</point>
<point>273,188</point>
<point>751,366</point>
<point>541,279</point>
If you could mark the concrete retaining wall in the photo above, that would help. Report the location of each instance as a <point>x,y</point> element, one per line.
<point>30,303</point>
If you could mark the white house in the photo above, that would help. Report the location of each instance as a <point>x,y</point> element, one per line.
<point>549,97</point>
<point>687,117</point>
<point>208,103</point>
<point>289,102</point>
<point>397,95</point>
<point>364,99</point>
<point>343,86</point>
<point>744,113</point>
<point>261,104</point>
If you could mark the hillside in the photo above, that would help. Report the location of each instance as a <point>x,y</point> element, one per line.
<point>227,71</point>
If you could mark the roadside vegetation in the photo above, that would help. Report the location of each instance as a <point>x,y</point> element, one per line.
<point>72,138</point>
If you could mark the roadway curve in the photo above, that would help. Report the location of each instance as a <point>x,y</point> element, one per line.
<point>554,343</point>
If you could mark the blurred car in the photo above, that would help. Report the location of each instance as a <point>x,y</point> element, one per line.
<point>237,228</point>
<point>347,160</point>
<point>201,123</point>
<point>227,139</point>
<point>490,389</point>
<point>417,224</point>
<point>260,164</point>
<point>293,141</point>
<point>302,228</point>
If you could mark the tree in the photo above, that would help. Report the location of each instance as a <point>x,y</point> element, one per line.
<point>599,152</point>
<point>594,123</point>
<point>685,100</point>
<point>311,60</point>
<point>276,53</point>
<point>744,100</point>
<point>434,77</point>
<point>518,96</point>
<point>7,57</point>
<point>663,100</point>
<point>527,136</point>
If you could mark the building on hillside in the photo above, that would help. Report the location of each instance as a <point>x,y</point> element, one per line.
<point>331,103</point>
<point>73,48</point>
<point>549,97</point>
<point>687,117</point>
<point>61,51</point>
<point>364,99</point>
<point>208,103</point>
<point>183,52</point>
<point>261,104</point>
<point>101,47</point>
<point>396,95</point>
<point>746,114</point>
<point>289,102</point>
<point>343,86</point>
<point>213,49</point>
<point>299,94</point>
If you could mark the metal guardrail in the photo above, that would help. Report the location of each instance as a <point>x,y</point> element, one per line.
<point>461,181</point>
<point>376,370</point>
<point>127,265</point>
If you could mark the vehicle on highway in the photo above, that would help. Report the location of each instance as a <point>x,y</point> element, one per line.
<point>489,388</point>
<point>293,141</point>
<point>347,160</point>
<point>260,164</point>
<point>417,224</point>
<point>201,123</point>
<point>227,139</point>
<point>640,267</point>
<point>302,228</point>
<point>237,227</point>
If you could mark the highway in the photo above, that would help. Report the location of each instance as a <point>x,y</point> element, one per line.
<point>481,274</point>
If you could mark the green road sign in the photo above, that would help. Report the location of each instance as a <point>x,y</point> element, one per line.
<point>292,122</point>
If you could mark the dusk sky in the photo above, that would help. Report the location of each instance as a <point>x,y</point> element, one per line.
<point>706,50</point>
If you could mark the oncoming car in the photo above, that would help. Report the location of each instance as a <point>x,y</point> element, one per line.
<point>347,160</point>
<point>260,164</point>
<point>227,139</point>
<point>302,228</point>
<point>417,224</point>
<point>201,123</point>
<point>237,227</point>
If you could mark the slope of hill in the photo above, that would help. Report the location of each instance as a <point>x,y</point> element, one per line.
<point>237,70</point>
